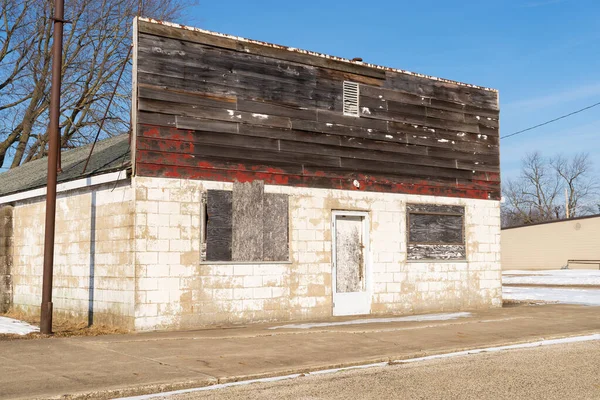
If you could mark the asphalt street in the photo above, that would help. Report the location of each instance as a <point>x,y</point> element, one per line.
<point>567,371</point>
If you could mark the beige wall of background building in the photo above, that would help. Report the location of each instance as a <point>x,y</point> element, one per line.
<point>551,245</point>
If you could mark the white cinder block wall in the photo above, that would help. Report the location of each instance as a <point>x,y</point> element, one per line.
<point>175,290</point>
<point>94,238</point>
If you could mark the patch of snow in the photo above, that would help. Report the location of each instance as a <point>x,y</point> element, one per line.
<point>389,136</point>
<point>410,318</point>
<point>365,110</point>
<point>566,278</point>
<point>587,297</point>
<point>443,140</point>
<point>553,277</point>
<point>16,327</point>
<point>260,116</point>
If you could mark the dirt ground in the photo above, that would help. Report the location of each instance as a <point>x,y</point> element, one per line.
<point>62,327</point>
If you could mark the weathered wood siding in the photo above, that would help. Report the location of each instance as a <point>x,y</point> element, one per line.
<point>211,107</point>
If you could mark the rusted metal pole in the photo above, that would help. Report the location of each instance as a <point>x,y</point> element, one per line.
<point>54,133</point>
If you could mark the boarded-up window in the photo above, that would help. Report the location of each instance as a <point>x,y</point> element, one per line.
<point>435,232</point>
<point>246,224</point>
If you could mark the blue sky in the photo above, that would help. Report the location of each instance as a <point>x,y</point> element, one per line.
<point>542,55</point>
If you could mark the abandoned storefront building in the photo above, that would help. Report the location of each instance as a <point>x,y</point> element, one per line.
<point>266,183</point>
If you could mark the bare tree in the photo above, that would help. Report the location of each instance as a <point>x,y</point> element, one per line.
<point>538,194</point>
<point>96,44</point>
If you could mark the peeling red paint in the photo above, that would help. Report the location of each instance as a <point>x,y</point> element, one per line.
<point>367,184</point>
<point>176,153</point>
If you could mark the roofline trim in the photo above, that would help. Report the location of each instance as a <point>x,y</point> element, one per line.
<point>312,53</point>
<point>553,221</point>
<point>94,180</point>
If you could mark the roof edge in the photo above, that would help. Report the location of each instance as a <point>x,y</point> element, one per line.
<point>312,53</point>
<point>553,221</point>
<point>109,176</point>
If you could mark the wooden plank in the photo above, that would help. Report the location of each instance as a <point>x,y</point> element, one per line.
<point>435,229</point>
<point>209,125</point>
<point>435,252</point>
<point>403,169</point>
<point>333,117</point>
<point>385,95</point>
<point>377,155</point>
<point>442,145</point>
<point>264,50</point>
<point>248,221</point>
<point>152,118</point>
<point>368,113</point>
<point>164,159</point>
<point>185,56</point>
<point>178,142</point>
<point>184,96</point>
<point>346,130</point>
<point>235,153</point>
<point>340,76</point>
<point>393,179</point>
<point>270,108</point>
<point>289,134</point>
<point>276,228</point>
<point>374,140</point>
<point>277,92</point>
<point>232,75</point>
<point>446,91</point>
<point>189,110</point>
<point>371,95</point>
<point>187,124</point>
<point>219,225</point>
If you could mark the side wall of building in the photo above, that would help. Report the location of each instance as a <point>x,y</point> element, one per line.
<point>6,234</point>
<point>550,246</point>
<point>94,279</point>
<point>175,290</point>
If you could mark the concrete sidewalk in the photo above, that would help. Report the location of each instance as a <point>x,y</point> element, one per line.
<point>113,366</point>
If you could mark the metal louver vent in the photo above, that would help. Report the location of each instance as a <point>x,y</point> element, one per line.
<point>351,98</point>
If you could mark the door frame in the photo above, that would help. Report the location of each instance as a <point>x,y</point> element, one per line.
<point>366,254</point>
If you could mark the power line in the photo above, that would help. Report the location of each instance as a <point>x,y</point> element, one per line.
<point>549,122</point>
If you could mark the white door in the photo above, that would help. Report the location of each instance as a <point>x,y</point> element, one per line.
<point>351,280</point>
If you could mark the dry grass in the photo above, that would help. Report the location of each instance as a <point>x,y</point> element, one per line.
<point>61,326</point>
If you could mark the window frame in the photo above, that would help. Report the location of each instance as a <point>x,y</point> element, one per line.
<point>430,249</point>
<point>203,227</point>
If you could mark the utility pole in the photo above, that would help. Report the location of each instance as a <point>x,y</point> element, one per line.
<point>53,152</point>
